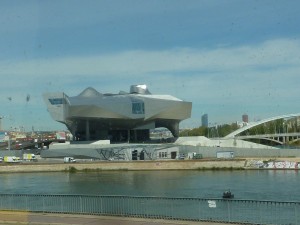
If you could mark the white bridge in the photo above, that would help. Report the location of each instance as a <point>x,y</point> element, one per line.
<point>280,138</point>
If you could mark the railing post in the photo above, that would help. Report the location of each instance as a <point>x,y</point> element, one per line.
<point>26,203</point>
<point>61,204</point>
<point>43,201</point>
<point>80,198</point>
<point>260,217</point>
<point>296,214</point>
<point>228,211</point>
<point>172,209</point>
<point>10,202</point>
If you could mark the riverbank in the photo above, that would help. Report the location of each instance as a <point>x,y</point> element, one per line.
<point>234,164</point>
<point>123,165</point>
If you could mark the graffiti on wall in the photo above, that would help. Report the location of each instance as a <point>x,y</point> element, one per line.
<point>273,164</point>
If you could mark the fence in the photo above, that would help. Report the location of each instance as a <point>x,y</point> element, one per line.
<point>196,209</point>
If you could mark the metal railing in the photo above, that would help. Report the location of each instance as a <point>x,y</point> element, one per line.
<point>194,209</point>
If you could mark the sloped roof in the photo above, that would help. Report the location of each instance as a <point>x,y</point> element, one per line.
<point>90,92</point>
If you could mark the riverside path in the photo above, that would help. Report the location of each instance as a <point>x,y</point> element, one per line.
<point>8,217</point>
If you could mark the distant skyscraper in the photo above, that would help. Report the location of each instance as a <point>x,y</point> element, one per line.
<point>245,118</point>
<point>204,120</point>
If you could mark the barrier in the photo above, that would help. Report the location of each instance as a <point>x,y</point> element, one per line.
<point>194,209</point>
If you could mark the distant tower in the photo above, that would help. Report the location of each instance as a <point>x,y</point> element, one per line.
<point>204,120</point>
<point>245,118</point>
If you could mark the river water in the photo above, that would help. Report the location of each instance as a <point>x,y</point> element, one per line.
<point>278,185</point>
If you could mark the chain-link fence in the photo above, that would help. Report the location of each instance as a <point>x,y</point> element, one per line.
<point>196,209</point>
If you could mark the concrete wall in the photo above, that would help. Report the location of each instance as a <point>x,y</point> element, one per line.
<point>207,152</point>
<point>210,152</point>
<point>218,142</point>
<point>137,165</point>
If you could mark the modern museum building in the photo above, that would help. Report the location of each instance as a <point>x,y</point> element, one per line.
<point>120,117</point>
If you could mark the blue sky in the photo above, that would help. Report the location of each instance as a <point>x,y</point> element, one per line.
<point>226,57</point>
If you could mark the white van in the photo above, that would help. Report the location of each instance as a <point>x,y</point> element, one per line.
<point>69,160</point>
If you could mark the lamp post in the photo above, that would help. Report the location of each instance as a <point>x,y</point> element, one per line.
<point>8,144</point>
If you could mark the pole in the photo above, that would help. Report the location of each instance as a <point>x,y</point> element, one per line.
<point>8,142</point>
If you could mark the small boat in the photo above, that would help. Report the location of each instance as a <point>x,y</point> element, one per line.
<point>228,194</point>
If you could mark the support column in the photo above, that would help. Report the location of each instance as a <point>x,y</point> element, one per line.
<point>135,135</point>
<point>73,131</point>
<point>87,130</point>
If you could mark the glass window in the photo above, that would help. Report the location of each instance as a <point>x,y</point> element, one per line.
<point>56,101</point>
<point>138,108</point>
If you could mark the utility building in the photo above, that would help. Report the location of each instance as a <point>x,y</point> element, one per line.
<point>119,117</point>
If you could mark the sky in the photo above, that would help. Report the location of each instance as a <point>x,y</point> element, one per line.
<point>226,57</point>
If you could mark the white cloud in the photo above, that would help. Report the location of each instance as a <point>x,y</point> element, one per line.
<point>274,62</point>
<point>269,55</point>
<point>240,77</point>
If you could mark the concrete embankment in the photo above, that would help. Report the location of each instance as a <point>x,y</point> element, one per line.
<point>131,165</point>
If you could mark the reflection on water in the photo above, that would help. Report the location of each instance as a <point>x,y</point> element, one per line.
<point>258,184</point>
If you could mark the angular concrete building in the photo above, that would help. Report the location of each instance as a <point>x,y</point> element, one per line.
<point>121,117</point>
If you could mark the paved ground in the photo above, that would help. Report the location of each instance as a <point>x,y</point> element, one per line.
<point>26,218</point>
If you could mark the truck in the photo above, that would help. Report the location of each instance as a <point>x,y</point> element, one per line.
<point>11,159</point>
<point>29,157</point>
<point>197,156</point>
<point>69,160</point>
<point>194,155</point>
<point>191,155</point>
